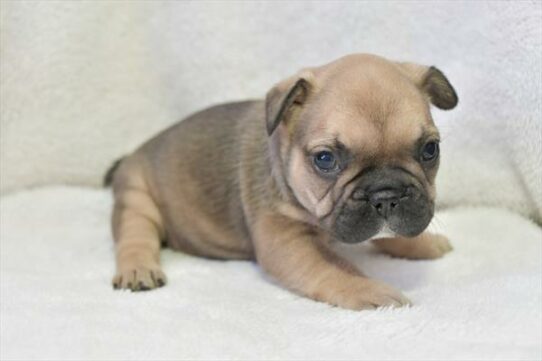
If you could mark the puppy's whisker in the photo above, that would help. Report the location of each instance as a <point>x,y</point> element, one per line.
<point>436,225</point>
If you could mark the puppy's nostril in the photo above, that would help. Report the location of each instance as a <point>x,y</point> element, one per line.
<point>385,201</point>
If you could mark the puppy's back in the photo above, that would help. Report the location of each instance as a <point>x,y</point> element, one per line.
<point>192,170</point>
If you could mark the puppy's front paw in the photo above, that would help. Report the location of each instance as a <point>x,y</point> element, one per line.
<point>369,295</point>
<point>425,246</point>
<point>376,294</point>
<point>438,247</point>
<point>139,278</point>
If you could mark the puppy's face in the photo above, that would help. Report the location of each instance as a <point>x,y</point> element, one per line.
<point>357,145</point>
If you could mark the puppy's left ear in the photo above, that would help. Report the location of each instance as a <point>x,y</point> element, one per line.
<point>285,99</point>
<point>433,83</point>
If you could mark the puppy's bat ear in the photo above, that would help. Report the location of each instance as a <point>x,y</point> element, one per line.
<point>284,99</point>
<point>433,83</point>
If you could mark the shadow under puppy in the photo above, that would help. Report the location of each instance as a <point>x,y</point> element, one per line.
<point>337,153</point>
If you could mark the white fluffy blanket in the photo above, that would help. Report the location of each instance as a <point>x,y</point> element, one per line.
<point>482,301</point>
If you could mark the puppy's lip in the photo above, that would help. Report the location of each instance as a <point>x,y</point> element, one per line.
<point>385,232</point>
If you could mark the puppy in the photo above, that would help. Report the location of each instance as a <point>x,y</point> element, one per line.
<point>336,153</point>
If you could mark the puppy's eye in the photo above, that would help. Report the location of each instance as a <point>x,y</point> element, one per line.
<point>325,161</point>
<point>430,151</point>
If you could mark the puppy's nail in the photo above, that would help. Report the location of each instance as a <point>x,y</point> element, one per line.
<point>142,287</point>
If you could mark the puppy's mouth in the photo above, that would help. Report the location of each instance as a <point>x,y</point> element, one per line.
<point>363,219</point>
<point>365,231</point>
<point>385,232</point>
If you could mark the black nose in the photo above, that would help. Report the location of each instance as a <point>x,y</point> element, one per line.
<point>385,201</point>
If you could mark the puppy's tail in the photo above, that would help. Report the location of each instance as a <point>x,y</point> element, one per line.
<point>108,178</point>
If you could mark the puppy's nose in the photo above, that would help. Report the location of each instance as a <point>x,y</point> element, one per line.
<point>385,201</point>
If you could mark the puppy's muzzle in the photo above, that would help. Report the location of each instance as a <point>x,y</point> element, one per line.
<point>389,198</point>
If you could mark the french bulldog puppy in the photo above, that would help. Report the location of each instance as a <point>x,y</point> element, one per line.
<point>336,153</point>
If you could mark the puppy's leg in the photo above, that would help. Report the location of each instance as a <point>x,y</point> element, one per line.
<point>293,253</point>
<point>425,246</point>
<point>137,229</point>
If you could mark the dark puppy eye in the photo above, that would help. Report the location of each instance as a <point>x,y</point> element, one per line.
<point>430,151</point>
<point>325,161</point>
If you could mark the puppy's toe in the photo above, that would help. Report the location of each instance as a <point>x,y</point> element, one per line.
<point>158,277</point>
<point>143,280</point>
<point>117,281</point>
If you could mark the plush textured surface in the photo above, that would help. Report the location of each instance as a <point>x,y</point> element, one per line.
<point>84,82</point>
<point>482,301</point>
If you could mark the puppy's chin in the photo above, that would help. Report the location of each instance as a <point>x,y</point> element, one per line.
<point>382,230</point>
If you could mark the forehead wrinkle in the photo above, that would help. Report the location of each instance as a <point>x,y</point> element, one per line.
<point>398,139</point>
<point>328,124</point>
<point>430,131</point>
<point>351,133</point>
<point>408,123</point>
<point>325,141</point>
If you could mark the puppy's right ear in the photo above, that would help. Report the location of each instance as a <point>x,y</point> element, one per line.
<point>284,100</point>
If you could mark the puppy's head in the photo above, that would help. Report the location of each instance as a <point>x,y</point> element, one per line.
<point>354,143</point>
